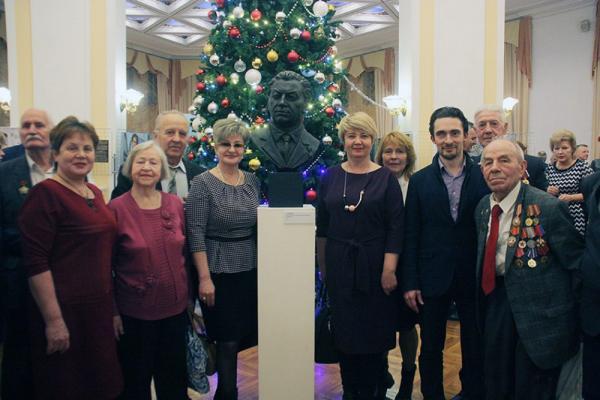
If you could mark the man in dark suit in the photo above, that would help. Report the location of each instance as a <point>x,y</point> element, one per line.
<point>528,250</point>
<point>590,296</point>
<point>285,142</point>
<point>440,253</point>
<point>170,133</point>
<point>490,123</point>
<point>18,176</point>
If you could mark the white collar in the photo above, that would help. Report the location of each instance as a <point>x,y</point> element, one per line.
<point>32,164</point>
<point>509,201</point>
<point>180,166</point>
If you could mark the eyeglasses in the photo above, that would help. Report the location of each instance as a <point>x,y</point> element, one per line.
<point>226,145</point>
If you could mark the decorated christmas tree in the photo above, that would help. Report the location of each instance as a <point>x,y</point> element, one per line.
<point>252,42</point>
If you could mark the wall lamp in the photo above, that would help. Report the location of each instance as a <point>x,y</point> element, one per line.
<point>130,100</point>
<point>396,105</point>
<point>508,104</point>
<point>5,99</point>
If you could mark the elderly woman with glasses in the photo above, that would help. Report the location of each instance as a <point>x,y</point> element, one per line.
<point>221,216</point>
<point>150,280</point>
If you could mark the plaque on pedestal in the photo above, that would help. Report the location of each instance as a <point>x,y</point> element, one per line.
<point>285,189</point>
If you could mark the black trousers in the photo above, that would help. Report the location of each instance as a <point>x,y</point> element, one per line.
<point>509,373</point>
<point>434,315</point>
<point>17,374</point>
<point>591,367</point>
<point>154,349</point>
<point>362,375</point>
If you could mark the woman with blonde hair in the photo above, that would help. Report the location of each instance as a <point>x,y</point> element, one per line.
<point>565,175</point>
<point>221,215</point>
<point>359,238</point>
<point>396,153</point>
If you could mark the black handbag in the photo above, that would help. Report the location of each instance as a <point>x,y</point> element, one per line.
<point>325,351</point>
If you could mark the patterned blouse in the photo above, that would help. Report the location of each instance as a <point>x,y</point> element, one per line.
<point>221,220</point>
<point>568,180</point>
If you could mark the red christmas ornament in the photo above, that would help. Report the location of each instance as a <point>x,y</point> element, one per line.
<point>225,102</point>
<point>310,195</point>
<point>212,15</point>
<point>204,139</point>
<point>234,32</point>
<point>200,86</point>
<point>199,71</point>
<point>333,88</point>
<point>293,56</point>
<point>305,35</point>
<point>221,80</point>
<point>191,139</point>
<point>191,156</point>
<point>255,15</point>
<point>220,3</point>
<point>330,112</point>
<point>259,89</point>
<point>259,120</point>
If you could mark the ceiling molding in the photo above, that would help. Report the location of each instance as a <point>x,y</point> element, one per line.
<point>545,8</point>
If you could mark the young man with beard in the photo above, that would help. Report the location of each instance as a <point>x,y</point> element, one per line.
<point>440,253</point>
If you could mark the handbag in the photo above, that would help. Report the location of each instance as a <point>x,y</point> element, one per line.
<point>201,353</point>
<point>325,351</point>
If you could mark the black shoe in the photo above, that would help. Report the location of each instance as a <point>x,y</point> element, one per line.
<point>406,383</point>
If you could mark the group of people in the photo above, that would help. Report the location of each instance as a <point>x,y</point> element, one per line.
<point>501,235</point>
<point>96,295</point>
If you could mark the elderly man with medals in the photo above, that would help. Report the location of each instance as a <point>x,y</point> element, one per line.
<point>527,252</point>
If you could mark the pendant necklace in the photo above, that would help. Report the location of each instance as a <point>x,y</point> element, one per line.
<point>83,193</point>
<point>239,178</point>
<point>353,207</point>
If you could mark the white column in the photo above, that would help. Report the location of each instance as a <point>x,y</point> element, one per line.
<point>286,297</point>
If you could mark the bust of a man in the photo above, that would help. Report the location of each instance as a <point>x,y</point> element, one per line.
<point>285,141</point>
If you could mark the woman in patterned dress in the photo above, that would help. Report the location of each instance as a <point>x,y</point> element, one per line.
<point>565,175</point>
<point>221,216</point>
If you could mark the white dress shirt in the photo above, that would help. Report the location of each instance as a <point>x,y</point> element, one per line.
<point>505,222</point>
<point>403,181</point>
<point>181,182</point>
<point>36,173</point>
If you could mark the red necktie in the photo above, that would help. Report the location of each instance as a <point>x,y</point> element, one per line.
<point>488,279</point>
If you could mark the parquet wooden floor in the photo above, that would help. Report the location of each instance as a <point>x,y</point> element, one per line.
<point>327,378</point>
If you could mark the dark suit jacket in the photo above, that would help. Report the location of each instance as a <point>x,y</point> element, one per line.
<point>590,263</point>
<point>304,152</point>
<point>124,183</point>
<point>436,247</point>
<point>541,299</point>
<point>14,186</point>
<point>536,169</point>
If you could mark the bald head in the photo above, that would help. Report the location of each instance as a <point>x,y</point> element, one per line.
<point>35,129</point>
<point>503,166</point>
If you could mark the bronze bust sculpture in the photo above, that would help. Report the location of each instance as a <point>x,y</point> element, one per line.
<point>287,144</point>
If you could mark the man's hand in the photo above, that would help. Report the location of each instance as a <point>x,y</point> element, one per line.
<point>413,299</point>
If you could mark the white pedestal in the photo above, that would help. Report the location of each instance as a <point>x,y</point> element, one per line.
<point>286,285</point>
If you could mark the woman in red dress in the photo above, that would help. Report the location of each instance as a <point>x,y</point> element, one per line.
<point>68,234</point>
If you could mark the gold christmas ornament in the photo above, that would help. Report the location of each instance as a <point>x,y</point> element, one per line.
<point>208,49</point>
<point>254,164</point>
<point>272,56</point>
<point>256,63</point>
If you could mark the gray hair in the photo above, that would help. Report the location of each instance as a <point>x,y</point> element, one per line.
<point>163,114</point>
<point>491,108</point>
<point>518,149</point>
<point>225,128</point>
<point>150,144</point>
<point>293,76</point>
